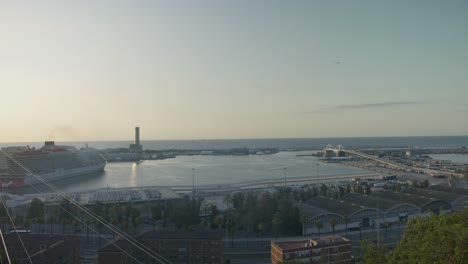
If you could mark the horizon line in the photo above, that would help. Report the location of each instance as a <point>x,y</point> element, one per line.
<point>253,138</point>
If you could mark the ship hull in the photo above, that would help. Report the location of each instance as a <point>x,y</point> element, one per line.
<point>18,182</point>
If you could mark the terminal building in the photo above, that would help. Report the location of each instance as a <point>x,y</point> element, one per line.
<point>354,210</point>
<point>327,249</point>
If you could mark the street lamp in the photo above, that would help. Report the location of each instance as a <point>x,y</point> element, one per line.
<point>284,177</point>
<point>193,182</point>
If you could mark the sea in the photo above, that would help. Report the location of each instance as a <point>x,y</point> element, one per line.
<point>182,170</point>
<point>280,143</point>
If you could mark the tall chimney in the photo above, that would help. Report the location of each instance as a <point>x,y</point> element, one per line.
<point>137,136</point>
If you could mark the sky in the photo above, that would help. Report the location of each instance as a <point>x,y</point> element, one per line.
<point>93,70</point>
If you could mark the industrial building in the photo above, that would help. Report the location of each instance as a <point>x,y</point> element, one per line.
<point>327,249</point>
<point>354,210</point>
<point>136,147</point>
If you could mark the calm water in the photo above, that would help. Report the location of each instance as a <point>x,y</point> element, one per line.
<point>208,170</point>
<point>232,169</point>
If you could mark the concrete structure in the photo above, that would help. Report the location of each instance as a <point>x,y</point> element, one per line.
<point>329,249</point>
<point>136,147</point>
<point>44,249</point>
<point>175,247</point>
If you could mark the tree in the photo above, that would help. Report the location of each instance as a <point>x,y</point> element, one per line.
<point>27,223</point>
<point>261,229</point>
<point>135,218</point>
<point>219,221</point>
<point>36,209</point>
<point>385,225</point>
<point>373,225</point>
<point>87,222</point>
<point>276,221</point>
<point>367,189</point>
<point>323,190</point>
<point>333,224</point>
<point>303,221</point>
<point>64,222</point>
<point>418,242</point>
<point>360,231</point>
<point>438,239</point>
<point>319,226</point>
<point>346,222</point>
<point>374,254</point>
<point>51,221</point>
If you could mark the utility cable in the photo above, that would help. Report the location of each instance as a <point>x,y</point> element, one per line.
<point>88,226</point>
<point>6,250</point>
<point>130,239</point>
<point>121,234</point>
<point>14,227</point>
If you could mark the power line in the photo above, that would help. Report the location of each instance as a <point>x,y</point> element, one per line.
<point>14,227</point>
<point>6,250</point>
<point>130,239</point>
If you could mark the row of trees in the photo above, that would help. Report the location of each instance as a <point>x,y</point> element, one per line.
<point>262,213</point>
<point>251,213</point>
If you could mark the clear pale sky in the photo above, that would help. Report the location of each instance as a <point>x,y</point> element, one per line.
<point>92,70</point>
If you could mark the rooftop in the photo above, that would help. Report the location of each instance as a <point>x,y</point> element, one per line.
<point>310,243</point>
<point>370,201</point>
<point>445,188</point>
<point>441,195</point>
<point>337,206</point>
<point>310,210</point>
<point>416,200</point>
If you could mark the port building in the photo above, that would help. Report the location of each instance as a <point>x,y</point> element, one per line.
<point>354,210</point>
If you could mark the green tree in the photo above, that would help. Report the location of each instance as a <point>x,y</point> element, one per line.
<point>135,218</point>
<point>303,221</point>
<point>346,222</point>
<point>319,226</point>
<point>438,239</point>
<point>27,223</point>
<point>323,190</point>
<point>385,225</point>
<point>261,230</point>
<point>219,221</point>
<point>333,224</point>
<point>374,254</point>
<point>373,225</point>
<point>87,222</point>
<point>276,222</point>
<point>36,209</point>
<point>64,221</point>
<point>360,231</point>
<point>51,221</point>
